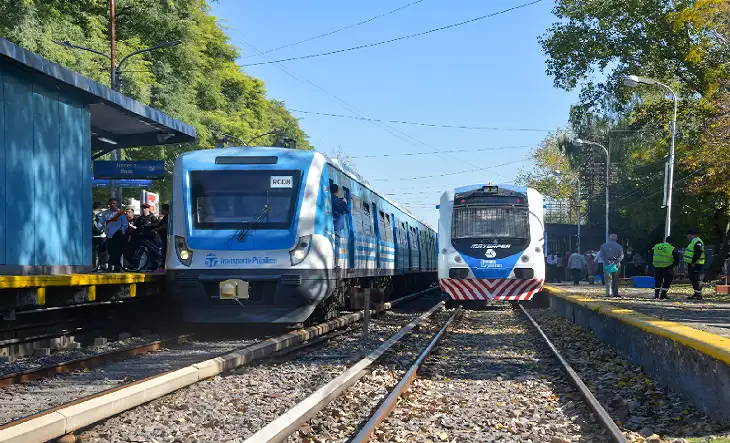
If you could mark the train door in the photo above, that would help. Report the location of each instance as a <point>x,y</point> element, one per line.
<point>350,250</point>
<point>378,225</point>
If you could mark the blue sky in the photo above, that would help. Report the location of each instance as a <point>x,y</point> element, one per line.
<point>487,73</point>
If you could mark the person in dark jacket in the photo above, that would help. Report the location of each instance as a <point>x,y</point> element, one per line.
<point>160,228</point>
<point>339,210</point>
<point>694,257</point>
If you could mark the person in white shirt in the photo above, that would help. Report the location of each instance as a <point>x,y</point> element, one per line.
<point>552,270</point>
<point>115,226</point>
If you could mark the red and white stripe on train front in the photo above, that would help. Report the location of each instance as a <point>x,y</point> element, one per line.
<point>490,288</point>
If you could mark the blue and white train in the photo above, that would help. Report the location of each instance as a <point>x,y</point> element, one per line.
<point>251,238</point>
<point>491,243</point>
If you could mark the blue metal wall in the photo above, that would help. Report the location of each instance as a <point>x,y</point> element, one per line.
<point>45,174</point>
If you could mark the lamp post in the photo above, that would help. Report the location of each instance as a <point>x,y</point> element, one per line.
<point>115,74</point>
<point>608,167</point>
<point>634,81</point>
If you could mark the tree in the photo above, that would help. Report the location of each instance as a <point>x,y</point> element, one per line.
<point>198,82</point>
<point>682,43</point>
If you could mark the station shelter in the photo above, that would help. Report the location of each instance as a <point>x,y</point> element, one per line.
<point>52,121</point>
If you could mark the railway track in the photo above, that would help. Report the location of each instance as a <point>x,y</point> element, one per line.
<point>293,424</point>
<point>116,386</point>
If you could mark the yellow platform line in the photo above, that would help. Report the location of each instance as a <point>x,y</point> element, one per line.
<point>42,281</point>
<point>713,345</point>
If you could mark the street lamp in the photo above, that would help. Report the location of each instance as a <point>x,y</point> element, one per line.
<point>577,179</point>
<point>608,166</point>
<point>116,73</point>
<point>634,81</point>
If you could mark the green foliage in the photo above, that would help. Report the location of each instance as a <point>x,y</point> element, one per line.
<point>197,82</point>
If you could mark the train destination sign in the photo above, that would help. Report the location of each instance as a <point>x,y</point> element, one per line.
<point>150,169</point>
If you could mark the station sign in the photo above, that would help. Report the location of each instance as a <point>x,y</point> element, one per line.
<point>105,183</point>
<point>149,169</point>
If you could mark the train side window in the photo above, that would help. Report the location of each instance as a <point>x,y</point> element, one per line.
<point>367,219</point>
<point>356,214</point>
<point>388,228</point>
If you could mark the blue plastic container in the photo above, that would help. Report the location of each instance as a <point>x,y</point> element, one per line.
<point>642,281</point>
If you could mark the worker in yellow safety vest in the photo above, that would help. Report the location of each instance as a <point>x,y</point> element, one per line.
<point>664,260</point>
<point>694,257</point>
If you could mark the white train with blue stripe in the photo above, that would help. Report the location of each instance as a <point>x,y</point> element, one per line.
<point>491,243</point>
<point>251,238</point>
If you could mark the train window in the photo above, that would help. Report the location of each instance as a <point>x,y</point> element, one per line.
<point>388,228</point>
<point>367,219</point>
<point>357,216</point>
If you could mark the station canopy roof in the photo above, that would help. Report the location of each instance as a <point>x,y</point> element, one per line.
<point>114,116</point>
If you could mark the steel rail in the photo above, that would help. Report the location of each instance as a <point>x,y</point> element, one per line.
<point>603,416</point>
<point>30,427</point>
<point>92,361</point>
<point>285,425</point>
<point>391,401</point>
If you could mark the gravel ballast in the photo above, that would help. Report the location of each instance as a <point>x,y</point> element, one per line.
<point>232,407</point>
<point>642,408</point>
<point>17,401</point>
<point>491,379</point>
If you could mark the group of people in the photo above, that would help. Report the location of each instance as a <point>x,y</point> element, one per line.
<point>118,234</point>
<point>576,266</point>
<point>664,258</point>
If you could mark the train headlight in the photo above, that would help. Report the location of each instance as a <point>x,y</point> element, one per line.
<point>184,254</point>
<point>538,249</point>
<point>301,250</point>
<point>525,258</point>
<point>457,259</point>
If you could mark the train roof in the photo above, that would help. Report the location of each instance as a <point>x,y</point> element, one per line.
<point>209,155</point>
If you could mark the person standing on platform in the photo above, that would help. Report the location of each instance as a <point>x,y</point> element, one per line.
<point>115,225</point>
<point>98,240</point>
<point>611,255</point>
<point>664,259</point>
<point>576,263</point>
<point>560,270</point>
<point>694,257</point>
<point>160,227</point>
<point>552,267</point>
<point>591,267</point>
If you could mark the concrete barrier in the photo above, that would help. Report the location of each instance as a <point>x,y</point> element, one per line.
<point>693,363</point>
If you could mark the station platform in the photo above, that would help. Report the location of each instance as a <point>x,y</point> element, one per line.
<point>712,314</point>
<point>43,291</point>
<point>685,344</point>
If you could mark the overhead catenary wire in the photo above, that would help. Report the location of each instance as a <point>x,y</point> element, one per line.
<point>500,148</point>
<point>397,39</point>
<point>353,109</point>
<point>430,125</point>
<point>446,174</point>
<point>345,28</point>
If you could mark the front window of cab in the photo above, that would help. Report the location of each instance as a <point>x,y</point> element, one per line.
<point>244,199</point>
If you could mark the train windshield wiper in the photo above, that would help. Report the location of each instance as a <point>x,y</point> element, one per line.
<point>254,224</point>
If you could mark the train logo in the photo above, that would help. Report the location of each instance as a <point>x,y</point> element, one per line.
<point>211,260</point>
<point>490,253</point>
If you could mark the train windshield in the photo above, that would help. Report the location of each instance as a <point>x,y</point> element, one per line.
<point>492,222</point>
<point>244,199</point>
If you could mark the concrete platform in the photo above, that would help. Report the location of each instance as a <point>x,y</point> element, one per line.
<point>710,315</point>
<point>673,340</point>
<point>29,291</point>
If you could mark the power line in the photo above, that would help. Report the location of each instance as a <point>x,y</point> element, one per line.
<point>430,125</point>
<point>404,37</point>
<point>501,148</point>
<point>466,171</point>
<point>326,34</point>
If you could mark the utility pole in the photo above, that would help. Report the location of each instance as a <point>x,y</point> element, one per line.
<point>115,154</point>
<point>115,72</point>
